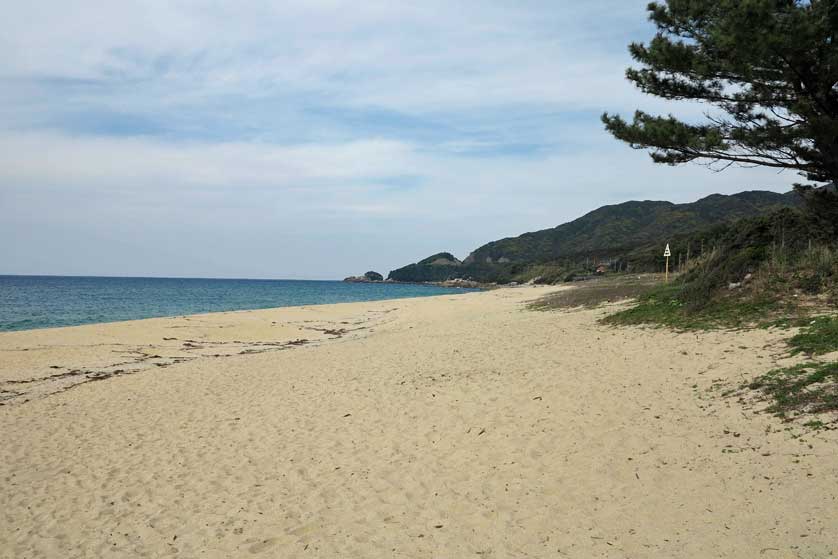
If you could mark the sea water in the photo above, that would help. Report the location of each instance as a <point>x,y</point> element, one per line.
<point>28,302</point>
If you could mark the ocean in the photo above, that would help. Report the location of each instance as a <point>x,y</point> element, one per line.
<point>28,302</point>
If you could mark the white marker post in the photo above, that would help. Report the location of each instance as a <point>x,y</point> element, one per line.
<point>667,253</point>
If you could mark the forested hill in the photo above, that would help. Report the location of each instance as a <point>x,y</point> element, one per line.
<point>610,232</point>
<point>629,225</point>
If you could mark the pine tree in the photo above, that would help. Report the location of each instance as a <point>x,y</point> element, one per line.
<point>768,68</point>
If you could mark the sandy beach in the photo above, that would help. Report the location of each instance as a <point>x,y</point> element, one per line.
<point>452,426</point>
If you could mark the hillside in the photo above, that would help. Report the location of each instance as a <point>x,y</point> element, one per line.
<point>615,233</point>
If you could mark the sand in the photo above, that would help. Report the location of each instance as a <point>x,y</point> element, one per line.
<point>452,426</point>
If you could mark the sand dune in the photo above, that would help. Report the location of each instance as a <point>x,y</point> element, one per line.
<point>452,426</point>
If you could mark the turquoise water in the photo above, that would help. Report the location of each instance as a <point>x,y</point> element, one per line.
<point>28,302</point>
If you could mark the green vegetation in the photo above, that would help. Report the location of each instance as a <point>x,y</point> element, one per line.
<point>775,270</point>
<point>770,271</point>
<point>608,289</point>
<point>818,338</point>
<point>806,388</point>
<point>760,271</point>
<point>622,234</point>
<point>810,387</point>
<point>665,306</point>
<point>440,259</point>
<point>427,271</point>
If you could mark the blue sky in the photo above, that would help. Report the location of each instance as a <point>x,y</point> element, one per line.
<point>314,139</point>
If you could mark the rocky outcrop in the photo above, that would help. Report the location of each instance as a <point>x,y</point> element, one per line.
<point>369,277</point>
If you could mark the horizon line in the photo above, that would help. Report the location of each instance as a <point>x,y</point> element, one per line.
<point>97,276</point>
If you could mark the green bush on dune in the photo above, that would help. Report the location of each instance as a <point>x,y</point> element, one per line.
<point>759,269</point>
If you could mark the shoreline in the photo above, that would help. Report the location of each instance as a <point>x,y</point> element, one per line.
<point>233,311</point>
<point>21,314</point>
<point>259,330</point>
<point>462,426</point>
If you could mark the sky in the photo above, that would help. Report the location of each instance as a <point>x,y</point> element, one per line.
<point>315,139</point>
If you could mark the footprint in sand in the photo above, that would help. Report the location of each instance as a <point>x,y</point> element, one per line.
<point>264,545</point>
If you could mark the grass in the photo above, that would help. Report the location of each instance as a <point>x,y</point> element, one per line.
<point>820,336</point>
<point>595,292</point>
<point>809,388</point>
<point>664,306</point>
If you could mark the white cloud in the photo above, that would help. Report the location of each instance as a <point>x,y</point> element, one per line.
<point>52,158</point>
<point>424,56</point>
